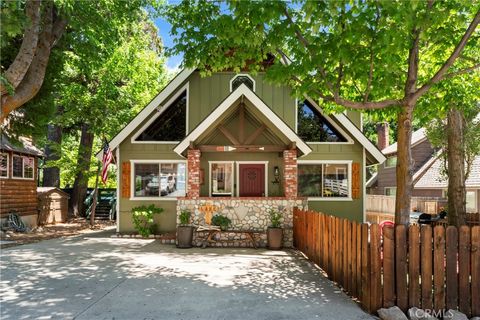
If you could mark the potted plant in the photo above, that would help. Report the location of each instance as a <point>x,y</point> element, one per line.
<point>222,221</point>
<point>143,219</point>
<point>275,231</point>
<point>184,230</point>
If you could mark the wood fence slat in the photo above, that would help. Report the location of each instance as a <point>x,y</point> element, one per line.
<point>376,268</point>
<point>365,297</point>
<point>319,233</point>
<point>321,230</point>
<point>388,266</point>
<point>414,266</point>
<point>401,267</point>
<point>331,250</point>
<point>353,260</point>
<point>464,288</point>
<point>475,259</point>
<point>338,248</point>
<point>426,266</point>
<point>345,239</point>
<point>439,267</point>
<point>359,259</point>
<point>451,268</point>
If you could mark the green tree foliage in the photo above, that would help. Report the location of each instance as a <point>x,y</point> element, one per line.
<point>380,56</point>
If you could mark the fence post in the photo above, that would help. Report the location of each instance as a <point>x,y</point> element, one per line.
<point>426,254</point>
<point>388,266</point>
<point>451,268</point>
<point>365,268</point>
<point>414,265</point>
<point>464,270</point>
<point>401,266</point>
<point>475,271</point>
<point>376,268</point>
<point>439,268</point>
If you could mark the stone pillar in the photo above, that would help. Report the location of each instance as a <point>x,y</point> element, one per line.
<point>193,182</point>
<point>290,173</point>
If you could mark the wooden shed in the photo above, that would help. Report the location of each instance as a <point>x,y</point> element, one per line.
<point>18,178</point>
<point>52,204</point>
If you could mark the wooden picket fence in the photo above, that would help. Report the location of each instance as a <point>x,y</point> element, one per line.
<point>431,268</point>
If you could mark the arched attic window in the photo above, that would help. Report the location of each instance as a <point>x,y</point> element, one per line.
<point>240,79</point>
<point>312,126</point>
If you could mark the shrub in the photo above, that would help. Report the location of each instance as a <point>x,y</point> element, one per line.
<point>143,219</point>
<point>222,221</point>
<point>275,218</point>
<point>184,217</point>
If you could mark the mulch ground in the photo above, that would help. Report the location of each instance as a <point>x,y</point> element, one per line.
<point>70,228</point>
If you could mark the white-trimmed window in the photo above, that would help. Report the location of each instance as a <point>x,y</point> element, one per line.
<point>391,162</point>
<point>240,79</point>
<point>4,165</point>
<point>221,178</point>
<point>325,179</point>
<point>23,167</point>
<point>390,191</point>
<point>471,205</point>
<point>158,179</point>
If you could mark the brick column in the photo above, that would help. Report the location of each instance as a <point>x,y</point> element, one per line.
<point>193,181</point>
<point>290,173</point>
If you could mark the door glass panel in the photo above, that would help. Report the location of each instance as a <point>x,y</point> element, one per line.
<point>222,178</point>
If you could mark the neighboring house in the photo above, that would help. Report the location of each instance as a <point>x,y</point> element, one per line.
<point>18,179</point>
<point>243,145</point>
<point>432,182</point>
<point>384,181</point>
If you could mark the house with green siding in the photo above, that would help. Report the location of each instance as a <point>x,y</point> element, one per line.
<point>244,146</point>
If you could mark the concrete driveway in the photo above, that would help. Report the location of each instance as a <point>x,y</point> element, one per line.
<point>95,276</point>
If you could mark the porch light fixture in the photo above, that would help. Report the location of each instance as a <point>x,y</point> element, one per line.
<point>276,175</point>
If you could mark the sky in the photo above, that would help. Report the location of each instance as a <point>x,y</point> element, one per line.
<point>164,27</point>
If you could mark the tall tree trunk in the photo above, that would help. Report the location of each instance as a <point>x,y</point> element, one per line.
<point>456,168</point>
<point>53,152</point>
<point>83,166</point>
<point>404,166</point>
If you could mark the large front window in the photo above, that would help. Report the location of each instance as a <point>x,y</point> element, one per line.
<point>221,178</point>
<point>165,179</point>
<point>324,180</point>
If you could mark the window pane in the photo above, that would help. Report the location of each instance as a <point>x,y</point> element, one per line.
<point>391,162</point>
<point>172,179</point>
<point>147,183</point>
<point>170,125</point>
<point>313,127</point>
<point>3,165</point>
<point>390,191</point>
<point>28,164</point>
<point>335,180</point>
<point>17,167</point>
<point>310,180</point>
<point>238,81</point>
<point>222,178</point>
<point>472,201</point>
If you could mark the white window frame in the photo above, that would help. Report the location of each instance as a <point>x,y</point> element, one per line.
<point>386,161</point>
<point>475,202</point>
<point>385,191</point>
<point>23,168</point>
<point>159,111</point>
<point>8,165</point>
<point>242,75</point>
<point>347,162</point>
<point>159,198</point>
<point>330,121</point>
<point>210,177</point>
<point>238,163</point>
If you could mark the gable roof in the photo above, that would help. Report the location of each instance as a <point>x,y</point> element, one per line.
<point>149,108</point>
<point>417,137</point>
<point>183,76</point>
<point>434,179</point>
<point>26,146</point>
<point>226,104</point>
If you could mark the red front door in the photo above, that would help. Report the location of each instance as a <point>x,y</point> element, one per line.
<point>252,180</point>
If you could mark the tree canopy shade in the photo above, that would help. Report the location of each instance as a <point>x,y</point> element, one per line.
<point>38,27</point>
<point>370,55</point>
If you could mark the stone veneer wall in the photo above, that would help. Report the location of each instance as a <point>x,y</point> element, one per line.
<point>246,214</point>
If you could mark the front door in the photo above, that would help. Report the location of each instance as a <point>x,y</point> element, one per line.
<point>252,180</point>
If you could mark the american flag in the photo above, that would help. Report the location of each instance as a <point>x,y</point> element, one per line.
<point>106,160</point>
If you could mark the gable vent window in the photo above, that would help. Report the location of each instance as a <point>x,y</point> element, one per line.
<point>238,80</point>
<point>170,125</point>
<point>312,126</point>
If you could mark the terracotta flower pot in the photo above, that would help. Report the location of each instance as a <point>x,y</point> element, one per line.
<point>184,236</point>
<point>275,238</point>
